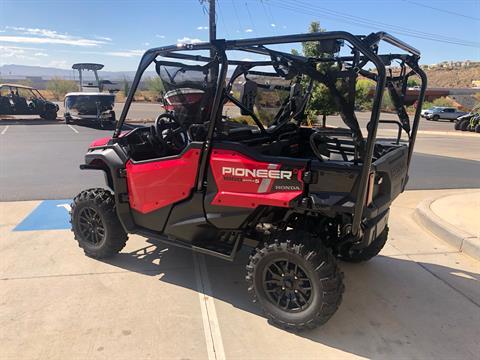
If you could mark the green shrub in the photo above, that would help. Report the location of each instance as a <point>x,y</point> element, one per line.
<point>411,82</point>
<point>363,98</point>
<point>154,85</point>
<point>59,87</point>
<point>443,101</point>
<point>387,103</point>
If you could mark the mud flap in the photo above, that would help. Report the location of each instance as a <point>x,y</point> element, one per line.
<point>372,229</point>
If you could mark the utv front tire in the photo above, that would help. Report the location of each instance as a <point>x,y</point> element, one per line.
<point>95,224</point>
<point>297,288</point>
<point>369,252</point>
<point>464,125</point>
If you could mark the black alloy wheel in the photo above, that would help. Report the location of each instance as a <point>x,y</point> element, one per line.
<point>91,226</point>
<point>287,285</point>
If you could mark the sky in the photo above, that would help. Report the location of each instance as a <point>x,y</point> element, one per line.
<point>58,33</point>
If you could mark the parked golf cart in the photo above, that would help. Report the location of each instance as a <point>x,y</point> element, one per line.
<point>91,103</point>
<point>18,99</point>
<point>302,196</point>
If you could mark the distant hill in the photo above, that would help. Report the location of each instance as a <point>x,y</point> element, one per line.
<point>22,71</point>
<point>459,77</point>
<point>456,77</point>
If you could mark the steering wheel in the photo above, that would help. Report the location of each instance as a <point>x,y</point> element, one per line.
<point>170,132</point>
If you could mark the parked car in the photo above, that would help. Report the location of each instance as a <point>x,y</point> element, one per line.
<point>18,99</point>
<point>438,112</point>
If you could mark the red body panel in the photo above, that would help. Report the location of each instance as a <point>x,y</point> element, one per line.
<point>242,188</point>
<point>155,184</point>
<point>104,141</point>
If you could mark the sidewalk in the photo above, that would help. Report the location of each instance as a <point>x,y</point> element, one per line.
<point>455,218</point>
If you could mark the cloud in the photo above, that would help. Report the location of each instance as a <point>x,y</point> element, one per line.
<point>202,27</point>
<point>126,53</point>
<point>46,36</point>
<point>146,43</point>
<point>41,32</point>
<point>106,38</point>
<point>160,36</point>
<point>187,40</point>
<point>61,64</point>
<point>273,25</point>
<point>40,54</point>
<point>39,40</point>
<point>17,52</point>
<point>248,30</point>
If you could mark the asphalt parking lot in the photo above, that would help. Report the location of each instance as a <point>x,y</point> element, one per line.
<point>419,299</point>
<point>40,159</point>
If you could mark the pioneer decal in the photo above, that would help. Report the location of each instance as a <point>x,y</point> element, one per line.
<point>257,173</point>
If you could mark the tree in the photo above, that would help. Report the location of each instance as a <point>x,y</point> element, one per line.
<point>126,86</point>
<point>59,87</point>
<point>321,101</point>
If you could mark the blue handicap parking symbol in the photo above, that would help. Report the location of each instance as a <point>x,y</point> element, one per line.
<point>49,215</point>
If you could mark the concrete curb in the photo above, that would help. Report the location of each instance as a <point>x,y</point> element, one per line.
<point>456,237</point>
<point>435,132</point>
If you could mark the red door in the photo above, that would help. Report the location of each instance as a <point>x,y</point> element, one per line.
<point>161,182</point>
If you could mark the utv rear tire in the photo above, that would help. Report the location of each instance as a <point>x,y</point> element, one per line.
<point>275,274</point>
<point>95,224</point>
<point>369,252</point>
<point>457,125</point>
<point>49,115</point>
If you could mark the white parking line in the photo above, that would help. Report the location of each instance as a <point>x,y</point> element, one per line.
<point>4,130</point>
<point>211,328</point>
<point>71,127</point>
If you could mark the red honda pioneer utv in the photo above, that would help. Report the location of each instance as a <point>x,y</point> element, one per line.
<point>304,195</point>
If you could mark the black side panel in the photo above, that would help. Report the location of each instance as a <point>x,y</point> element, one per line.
<point>187,222</point>
<point>154,220</point>
<point>223,217</point>
<point>328,178</point>
<point>393,169</point>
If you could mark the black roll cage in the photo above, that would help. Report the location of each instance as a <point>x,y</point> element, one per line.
<point>364,50</point>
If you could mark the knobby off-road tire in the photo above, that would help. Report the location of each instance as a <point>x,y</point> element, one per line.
<point>369,252</point>
<point>457,125</point>
<point>95,224</point>
<point>477,128</point>
<point>464,125</point>
<point>314,275</point>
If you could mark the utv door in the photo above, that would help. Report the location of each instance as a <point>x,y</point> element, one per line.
<point>155,185</point>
